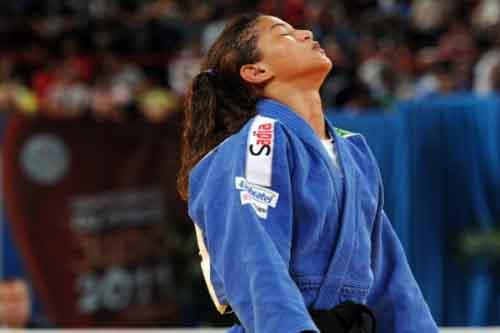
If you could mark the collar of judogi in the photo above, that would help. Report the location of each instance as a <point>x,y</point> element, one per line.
<point>277,110</point>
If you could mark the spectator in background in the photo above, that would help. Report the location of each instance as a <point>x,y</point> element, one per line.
<point>184,67</point>
<point>378,42</point>
<point>495,79</point>
<point>14,304</point>
<point>291,11</point>
<point>101,101</point>
<point>458,45</point>
<point>486,15</point>
<point>428,19</point>
<point>356,98</point>
<point>156,103</point>
<point>68,96</point>
<point>14,94</point>
<point>486,23</point>
<point>483,71</point>
<point>436,78</point>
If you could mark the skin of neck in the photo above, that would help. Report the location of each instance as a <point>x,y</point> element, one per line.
<point>304,99</point>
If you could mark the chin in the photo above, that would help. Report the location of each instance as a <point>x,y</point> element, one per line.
<point>327,64</point>
<point>326,60</point>
<point>322,70</point>
<point>324,65</point>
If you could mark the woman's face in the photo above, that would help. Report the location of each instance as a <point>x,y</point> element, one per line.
<point>289,53</point>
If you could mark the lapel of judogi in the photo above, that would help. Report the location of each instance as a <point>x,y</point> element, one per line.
<point>329,293</point>
<point>339,263</point>
<point>297,124</point>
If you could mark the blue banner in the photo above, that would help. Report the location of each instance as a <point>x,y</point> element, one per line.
<point>440,161</point>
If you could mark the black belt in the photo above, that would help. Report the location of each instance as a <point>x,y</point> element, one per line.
<point>347,317</point>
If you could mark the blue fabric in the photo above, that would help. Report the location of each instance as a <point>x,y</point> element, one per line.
<point>440,164</point>
<point>325,241</point>
<point>11,262</point>
<point>11,265</point>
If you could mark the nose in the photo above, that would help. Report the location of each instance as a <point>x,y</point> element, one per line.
<point>306,34</point>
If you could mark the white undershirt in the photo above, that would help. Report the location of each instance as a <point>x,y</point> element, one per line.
<point>331,150</point>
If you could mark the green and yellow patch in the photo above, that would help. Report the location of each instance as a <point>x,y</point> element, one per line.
<point>343,133</point>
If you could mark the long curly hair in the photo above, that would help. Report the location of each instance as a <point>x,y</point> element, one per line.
<point>219,101</point>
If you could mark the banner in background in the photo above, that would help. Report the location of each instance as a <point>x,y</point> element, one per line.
<point>440,163</point>
<point>94,210</point>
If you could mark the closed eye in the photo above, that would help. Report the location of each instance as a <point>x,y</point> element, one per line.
<point>286,34</point>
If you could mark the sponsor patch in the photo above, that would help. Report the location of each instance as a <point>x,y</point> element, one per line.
<point>343,133</point>
<point>259,159</point>
<point>260,198</point>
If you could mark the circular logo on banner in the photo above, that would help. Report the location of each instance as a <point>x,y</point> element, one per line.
<point>45,158</point>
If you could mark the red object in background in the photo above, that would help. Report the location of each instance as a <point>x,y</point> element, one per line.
<point>291,11</point>
<point>44,78</point>
<point>94,210</point>
<point>83,65</point>
<point>41,82</point>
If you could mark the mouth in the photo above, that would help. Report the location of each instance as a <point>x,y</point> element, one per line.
<point>316,46</point>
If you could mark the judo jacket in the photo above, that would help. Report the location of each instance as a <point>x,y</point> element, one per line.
<point>281,229</point>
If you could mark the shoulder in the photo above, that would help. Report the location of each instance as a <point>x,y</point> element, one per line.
<point>253,157</point>
<point>260,142</point>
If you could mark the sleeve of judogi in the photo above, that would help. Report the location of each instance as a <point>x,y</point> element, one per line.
<point>246,205</point>
<point>396,299</point>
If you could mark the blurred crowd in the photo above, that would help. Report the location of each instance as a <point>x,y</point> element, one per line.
<point>389,50</point>
<point>122,59</point>
<point>117,60</point>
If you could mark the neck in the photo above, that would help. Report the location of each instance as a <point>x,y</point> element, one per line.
<point>306,103</point>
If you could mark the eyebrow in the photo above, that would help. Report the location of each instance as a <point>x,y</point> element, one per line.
<point>278,24</point>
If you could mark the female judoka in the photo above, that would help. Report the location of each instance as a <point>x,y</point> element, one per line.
<point>288,210</point>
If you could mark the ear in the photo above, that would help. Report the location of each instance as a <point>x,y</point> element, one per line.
<point>256,73</point>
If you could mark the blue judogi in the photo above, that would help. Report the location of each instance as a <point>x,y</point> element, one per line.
<point>282,229</point>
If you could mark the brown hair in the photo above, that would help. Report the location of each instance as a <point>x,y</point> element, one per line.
<point>219,101</point>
